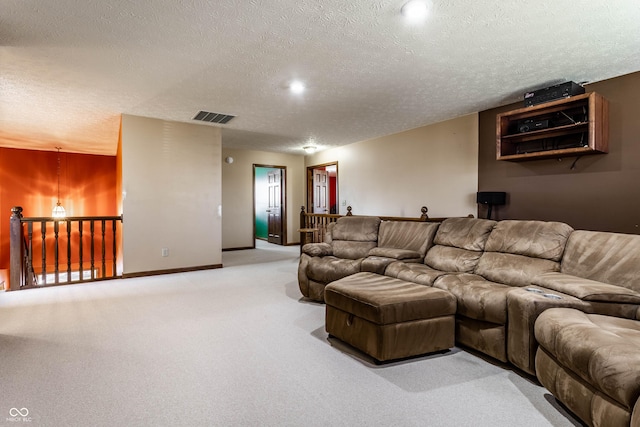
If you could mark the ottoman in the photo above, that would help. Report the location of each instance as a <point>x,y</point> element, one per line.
<point>389,318</point>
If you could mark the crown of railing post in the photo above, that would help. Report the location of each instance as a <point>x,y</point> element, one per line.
<point>349,213</point>
<point>16,249</point>
<point>424,215</point>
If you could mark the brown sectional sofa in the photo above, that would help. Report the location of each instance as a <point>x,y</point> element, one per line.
<point>537,294</point>
<point>352,241</point>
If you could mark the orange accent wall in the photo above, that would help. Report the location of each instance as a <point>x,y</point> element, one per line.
<point>28,178</point>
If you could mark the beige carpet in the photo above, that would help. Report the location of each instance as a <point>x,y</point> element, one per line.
<point>230,347</point>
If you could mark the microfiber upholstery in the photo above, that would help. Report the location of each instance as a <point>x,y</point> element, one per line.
<point>406,241</point>
<point>356,229</point>
<point>599,273</point>
<point>589,353</point>
<point>405,236</point>
<point>586,289</point>
<point>514,254</point>
<point>557,303</point>
<point>384,300</point>
<point>389,318</point>
<point>518,251</point>
<point>464,233</point>
<point>611,258</point>
<point>536,239</point>
<point>458,245</point>
<point>317,249</point>
<point>347,242</point>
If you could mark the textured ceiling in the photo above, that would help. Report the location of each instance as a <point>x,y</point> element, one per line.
<point>68,69</point>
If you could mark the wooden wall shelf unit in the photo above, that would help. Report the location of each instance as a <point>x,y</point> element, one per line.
<point>568,127</point>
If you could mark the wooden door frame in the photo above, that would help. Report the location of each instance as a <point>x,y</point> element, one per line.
<point>283,200</point>
<point>310,184</point>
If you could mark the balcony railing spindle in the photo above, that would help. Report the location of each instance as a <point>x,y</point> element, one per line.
<point>68,251</point>
<point>93,266</point>
<point>43,231</point>
<point>104,266</point>
<point>80,249</point>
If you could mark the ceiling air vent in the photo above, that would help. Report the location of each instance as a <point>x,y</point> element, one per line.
<point>206,116</point>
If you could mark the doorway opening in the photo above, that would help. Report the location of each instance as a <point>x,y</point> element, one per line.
<point>269,204</point>
<point>322,189</point>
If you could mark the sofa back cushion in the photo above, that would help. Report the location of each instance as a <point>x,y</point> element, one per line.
<point>450,259</point>
<point>464,233</point>
<point>612,258</point>
<point>407,235</point>
<point>352,237</point>
<point>517,251</point>
<point>459,243</point>
<point>328,234</point>
<point>356,228</point>
<point>536,239</point>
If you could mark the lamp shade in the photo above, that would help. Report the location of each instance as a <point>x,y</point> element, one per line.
<point>58,211</point>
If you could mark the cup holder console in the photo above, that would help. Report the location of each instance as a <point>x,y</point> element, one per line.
<point>541,292</point>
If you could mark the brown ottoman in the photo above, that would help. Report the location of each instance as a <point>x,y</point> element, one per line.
<point>389,318</point>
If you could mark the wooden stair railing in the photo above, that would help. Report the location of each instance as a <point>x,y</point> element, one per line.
<point>314,226</point>
<point>68,232</point>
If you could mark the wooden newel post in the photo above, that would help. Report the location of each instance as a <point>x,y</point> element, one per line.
<point>16,249</point>
<point>424,215</point>
<point>303,218</point>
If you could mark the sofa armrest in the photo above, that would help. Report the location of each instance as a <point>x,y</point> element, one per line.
<point>586,289</point>
<point>317,249</point>
<point>399,254</point>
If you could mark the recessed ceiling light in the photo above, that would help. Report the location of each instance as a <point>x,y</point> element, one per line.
<point>311,146</point>
<point>297,87</point>
<point>415,10</point>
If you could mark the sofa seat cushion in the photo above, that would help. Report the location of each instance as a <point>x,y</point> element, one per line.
<point>384,300</point>
<point>416,273</point>
<point>477,297</point>
<point>587,290</point>
<point>513,269</point>
<point>602,350</point>
<point>399,254</point>
<point>330,268</point>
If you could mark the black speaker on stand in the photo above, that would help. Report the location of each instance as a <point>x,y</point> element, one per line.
<point>491,198</point>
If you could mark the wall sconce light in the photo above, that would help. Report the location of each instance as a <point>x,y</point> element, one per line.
<point>58,211</point>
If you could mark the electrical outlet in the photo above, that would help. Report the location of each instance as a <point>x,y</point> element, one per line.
<point>165,251</point>
<point>344,203</point>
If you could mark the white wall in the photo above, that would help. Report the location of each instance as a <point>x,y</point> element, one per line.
<point>237,194</point>
<point>434,166</point>
<point>172,191</point>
